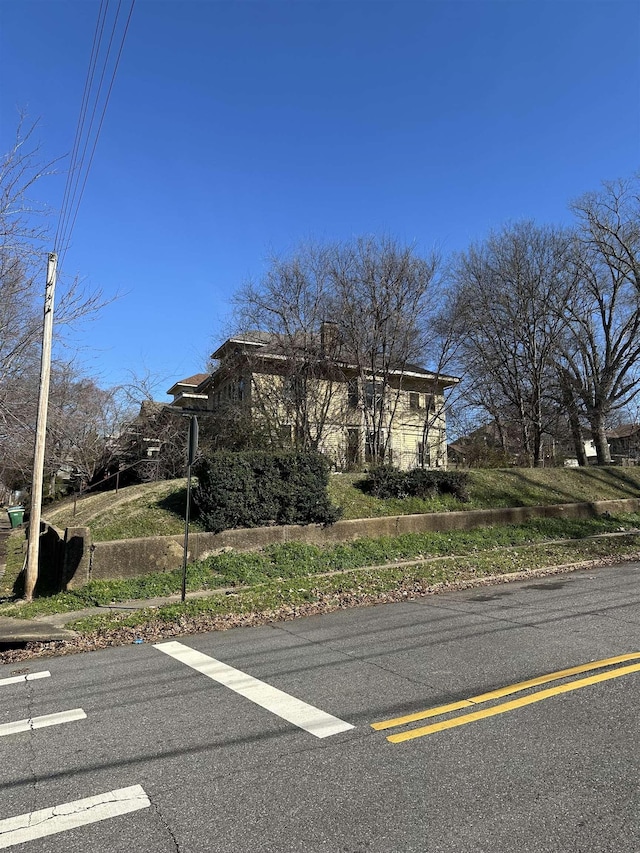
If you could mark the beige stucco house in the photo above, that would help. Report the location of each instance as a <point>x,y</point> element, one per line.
<point>311,393</point>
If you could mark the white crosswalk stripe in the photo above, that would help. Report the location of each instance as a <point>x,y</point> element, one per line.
<point>39,824</point>
<point>17,679</point>
<point>295,711</point>
<point>41,722</point>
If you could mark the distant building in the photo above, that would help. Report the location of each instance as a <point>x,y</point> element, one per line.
<point>624,444</point>
<point>313,391</point>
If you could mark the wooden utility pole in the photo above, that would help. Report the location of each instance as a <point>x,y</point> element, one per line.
<point>41,432</point>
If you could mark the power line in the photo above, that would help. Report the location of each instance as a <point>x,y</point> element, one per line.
<point>87,140</point>
<point>95,49</point>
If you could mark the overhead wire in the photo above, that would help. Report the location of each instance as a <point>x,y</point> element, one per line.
<point>73,163</point>
<point>79,167</point>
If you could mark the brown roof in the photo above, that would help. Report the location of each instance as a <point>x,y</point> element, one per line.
<point>272,345</point>
<point>623,431</point>
<point>191,381</point>
<point>196,379</point>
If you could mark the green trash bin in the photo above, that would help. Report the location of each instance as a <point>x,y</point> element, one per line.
<point>16,515</point>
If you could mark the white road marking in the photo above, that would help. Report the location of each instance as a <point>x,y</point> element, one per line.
<point>27,827</point>
<point>40,722</point>
<point>15,679</point>
<point>305,716</point>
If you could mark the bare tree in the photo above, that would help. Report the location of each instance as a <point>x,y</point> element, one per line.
<point>601,344</point>
<point>150,442</point>
<point>24,234</point>
<point>508,298</point>
<point>346,321</point>
<point>380,297</point>
<point>289,306</point>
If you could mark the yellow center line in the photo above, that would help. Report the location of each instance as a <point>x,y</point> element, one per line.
<point>503,691</point>
<point>513,704</point>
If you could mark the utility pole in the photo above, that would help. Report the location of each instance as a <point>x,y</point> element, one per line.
<point>41,431</point>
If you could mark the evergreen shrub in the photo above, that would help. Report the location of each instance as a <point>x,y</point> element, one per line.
<point>257,488</point>
<point>385,481</point>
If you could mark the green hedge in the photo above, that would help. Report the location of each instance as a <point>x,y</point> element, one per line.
<point>385,481</point>
<point>255,488</point>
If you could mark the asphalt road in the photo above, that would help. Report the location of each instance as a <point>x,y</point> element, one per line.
<point>211,759</point>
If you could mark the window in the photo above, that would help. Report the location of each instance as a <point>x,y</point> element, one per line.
<point>414,400</point>
<point>285,435</point>
<point>373,395</point>
<point>374,445</point>
<point>430,403</point>
<point>236,390</point>
<point>352,393</point>
<point>293,389</point>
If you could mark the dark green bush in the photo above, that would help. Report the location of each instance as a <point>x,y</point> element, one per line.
<point>255,488</point>
<point>385,481</point>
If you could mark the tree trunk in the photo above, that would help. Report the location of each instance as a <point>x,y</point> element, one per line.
<point>537,450</point>
<point>574,419</point>
<point>578,439</point>
<point>600,440</point>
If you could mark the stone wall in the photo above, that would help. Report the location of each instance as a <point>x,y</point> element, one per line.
<point>126,558</point>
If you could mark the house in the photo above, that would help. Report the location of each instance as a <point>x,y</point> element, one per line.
<point>500,445</point>
<point>491,445</point>
<point>185,392</point>
<point>308,391</point>
<point>624,444</point>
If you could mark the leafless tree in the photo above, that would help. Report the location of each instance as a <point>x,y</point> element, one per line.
<point>24,241</point>
<point>601,343</point>
<point>508,296</point>
<point>337,312</point>
<point>382,298</point>
<point>24,235</point>
<point>83,419</point>
<point>289,305</point>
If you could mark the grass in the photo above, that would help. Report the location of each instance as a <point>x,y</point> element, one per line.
<point>298,562</point>
<point>15,554</point>
<point>544,486</point>
<point>281,578</point>
<point>157,509</point>
<point>344,492</point>
<point>282,597</point>
<point>150,509</point>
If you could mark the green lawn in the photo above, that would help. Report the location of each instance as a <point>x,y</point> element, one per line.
<point>157,509</point>
<point>496,549</point>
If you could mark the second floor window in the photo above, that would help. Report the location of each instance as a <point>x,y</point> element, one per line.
<point>352,393</point>
<point>373,395</point>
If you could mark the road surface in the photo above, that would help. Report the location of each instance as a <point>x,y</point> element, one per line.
<point>501,718</point>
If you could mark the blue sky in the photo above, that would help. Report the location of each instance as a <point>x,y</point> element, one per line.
<point>239,128</point>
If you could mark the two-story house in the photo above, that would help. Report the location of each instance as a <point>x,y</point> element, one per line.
<point>307,391</point>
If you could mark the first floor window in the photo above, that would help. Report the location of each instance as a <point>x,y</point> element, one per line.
<point>285,434</point>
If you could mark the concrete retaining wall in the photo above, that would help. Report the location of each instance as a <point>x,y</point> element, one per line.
<point>128,558</point>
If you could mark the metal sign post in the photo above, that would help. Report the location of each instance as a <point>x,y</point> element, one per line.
<point>192,449</point>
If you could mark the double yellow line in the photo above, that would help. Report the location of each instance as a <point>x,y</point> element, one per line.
<point>502,708</point>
